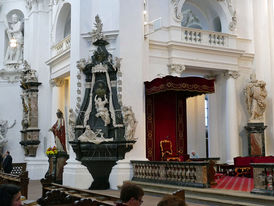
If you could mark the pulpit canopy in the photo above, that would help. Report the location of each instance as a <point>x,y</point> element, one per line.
<point>191,86</point>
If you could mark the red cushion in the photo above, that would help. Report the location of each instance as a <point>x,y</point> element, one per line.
<point>242,161</point>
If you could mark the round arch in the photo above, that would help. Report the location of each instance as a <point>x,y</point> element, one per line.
<point>62,22</point>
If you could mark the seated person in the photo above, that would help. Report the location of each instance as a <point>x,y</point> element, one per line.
<point>171,200</point>
<point>131,195</point>
<point>10,195</point>
<point>194,155</point>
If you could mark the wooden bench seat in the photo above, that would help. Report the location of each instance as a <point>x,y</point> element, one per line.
<point>18,176</point>
<point>56,194</point>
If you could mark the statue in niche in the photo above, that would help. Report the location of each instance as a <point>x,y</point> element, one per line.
<point>14,52</point>
<point>58,129</point>
<point>189,18</point>
<point>4,126</point>
<point>102,111</point>
<point>130,123</point>
<point>255,93</point>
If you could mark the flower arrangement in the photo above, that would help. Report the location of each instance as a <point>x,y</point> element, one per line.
<point>52,151</point>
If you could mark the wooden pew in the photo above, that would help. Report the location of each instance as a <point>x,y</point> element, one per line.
<point>60,195</point>
<point>18,176</point>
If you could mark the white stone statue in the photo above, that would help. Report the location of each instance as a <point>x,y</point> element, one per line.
<point>102,111</point>
<point>129,122</point>
<point>94,137</point>
<point>189,18</point>
<point>97,33</point>
<point>72,123</point>
<point>14,52</point>
<point>3,131</point>
<point>255,93</point>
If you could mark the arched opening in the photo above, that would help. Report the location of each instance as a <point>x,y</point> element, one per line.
<point>63,25</point>
<point>203,15</point>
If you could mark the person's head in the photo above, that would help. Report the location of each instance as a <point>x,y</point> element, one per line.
<point>59,113</point>
<point>171,200</point>
<point>131,194</point>
<point>7,152</point>
<point>14,18</point>
<point>10,195</point>
<point>193,153</point>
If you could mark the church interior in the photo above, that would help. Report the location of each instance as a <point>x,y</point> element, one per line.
<point>172,95</point>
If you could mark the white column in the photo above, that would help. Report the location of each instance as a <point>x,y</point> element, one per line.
<point>213,137</point>
<point>231,117</point>
<point>36,52</point>
<point>131,27</point>
<point>75,174</point>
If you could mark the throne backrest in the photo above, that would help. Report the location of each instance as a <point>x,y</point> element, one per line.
<point>166,147</point>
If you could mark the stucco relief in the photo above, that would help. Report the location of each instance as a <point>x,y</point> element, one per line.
<point>233,23</point>
<point>176,69</point>
<point>4,127</point>
<point>177,9</point>
<point>231,74</point>
<point>30,3</point>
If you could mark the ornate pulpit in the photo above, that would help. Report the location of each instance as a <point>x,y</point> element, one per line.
<point>104,129</point>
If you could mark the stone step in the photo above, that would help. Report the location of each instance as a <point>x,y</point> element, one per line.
<point>209,196</point>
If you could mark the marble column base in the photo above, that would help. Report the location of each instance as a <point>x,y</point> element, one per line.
<point>37,167</point>
<point>76,175</point>
<point>121,172</point>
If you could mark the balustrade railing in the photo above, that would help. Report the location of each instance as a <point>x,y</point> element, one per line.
<point>194,174</point>
<point>61,46</point>
<point>209,38</point>
<point>263,178</point>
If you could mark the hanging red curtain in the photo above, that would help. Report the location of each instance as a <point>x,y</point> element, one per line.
<point>166,111</point>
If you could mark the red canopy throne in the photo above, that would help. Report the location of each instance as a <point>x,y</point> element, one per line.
<point>166,112</point>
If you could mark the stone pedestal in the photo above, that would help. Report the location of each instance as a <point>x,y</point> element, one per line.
<point>29,96</point>
<point>56,166</point>
<point>256,142</point>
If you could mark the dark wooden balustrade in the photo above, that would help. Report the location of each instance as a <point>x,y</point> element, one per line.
<point>193,174</point>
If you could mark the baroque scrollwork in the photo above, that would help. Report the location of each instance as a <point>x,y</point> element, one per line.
<point>177,9</point>
<point>176,69</point>
<point>233,13</point>
<point>97,33</point>
<point>232,74</point>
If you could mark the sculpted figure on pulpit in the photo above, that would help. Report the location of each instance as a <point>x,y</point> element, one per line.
<point>255,93</point>
<point>102,111</point>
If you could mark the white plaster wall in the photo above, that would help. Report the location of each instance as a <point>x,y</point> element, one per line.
<point>262,63</point>
<point>37,55</point>
<point>12,113</point>
<point>131,33</point>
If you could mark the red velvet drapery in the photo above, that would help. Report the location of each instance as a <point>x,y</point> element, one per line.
<point>166,111</point>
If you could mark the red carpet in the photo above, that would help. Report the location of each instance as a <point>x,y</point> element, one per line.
<point>234,183</point>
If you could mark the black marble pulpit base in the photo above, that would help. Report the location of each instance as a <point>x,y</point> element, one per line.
<point>100,171</point>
